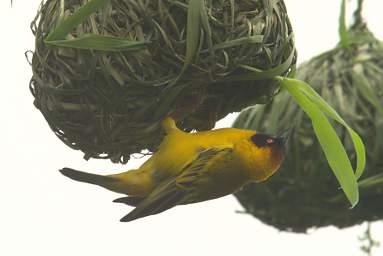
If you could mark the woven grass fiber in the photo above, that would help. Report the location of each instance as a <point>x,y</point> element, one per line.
<point>109,104</point>
<point>304,193</point>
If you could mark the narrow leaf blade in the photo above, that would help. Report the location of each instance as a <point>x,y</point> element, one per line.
<point>328,139</point>
<point>258,74</point>
<point>192,31</point>
<point>330,112</point>
<point>66,26</point>
<point>101,43</point>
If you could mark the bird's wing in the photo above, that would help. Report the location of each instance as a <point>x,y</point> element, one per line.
<point>199,169</point>
<point>177,190</point>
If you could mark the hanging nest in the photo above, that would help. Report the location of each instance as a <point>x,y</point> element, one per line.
<point>109,104</point>
<point>304,193</point>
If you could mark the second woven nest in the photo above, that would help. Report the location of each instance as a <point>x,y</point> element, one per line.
<point>304,193</point>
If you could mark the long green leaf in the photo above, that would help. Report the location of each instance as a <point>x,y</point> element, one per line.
<point>259,74</point>
<point>330,112</point>
<point>101,43</point>
<point>315,107</point>
<point>256,39</point>
<point>66,26</point>
<point>193,30</point>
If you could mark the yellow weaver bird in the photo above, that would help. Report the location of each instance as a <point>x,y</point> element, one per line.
<point>192,167</point>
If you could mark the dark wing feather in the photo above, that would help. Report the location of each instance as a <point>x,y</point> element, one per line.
<point>195,171</point>
<point>176,190</point>
<point>165,196</point>
<point>129,200</point>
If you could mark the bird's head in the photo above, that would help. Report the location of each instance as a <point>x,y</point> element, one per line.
<point>266,153</point>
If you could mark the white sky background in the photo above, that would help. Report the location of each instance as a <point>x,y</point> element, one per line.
<point>43,213</point>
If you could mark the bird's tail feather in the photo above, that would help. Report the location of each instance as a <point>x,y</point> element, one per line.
<point>129,200</point>
<point>87,177</point>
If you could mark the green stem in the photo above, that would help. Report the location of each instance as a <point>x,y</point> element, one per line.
<point>343,34</point>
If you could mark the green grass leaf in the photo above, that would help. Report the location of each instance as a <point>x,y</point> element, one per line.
<point>57,37</point>
<point>256,39</point>
<point>193,30</point>
<point>317,109</point>
<point>66,26</point>
<point>259,74</point>
<point>330,112</point>
<point>101,43</point>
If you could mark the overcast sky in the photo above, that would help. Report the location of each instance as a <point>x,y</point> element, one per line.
<point>43,213</point>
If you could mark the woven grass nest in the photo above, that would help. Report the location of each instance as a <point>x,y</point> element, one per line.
<point>109,104</point>
<point>304,193</point>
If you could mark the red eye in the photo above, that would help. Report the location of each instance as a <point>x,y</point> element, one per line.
<point>269,141</point>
